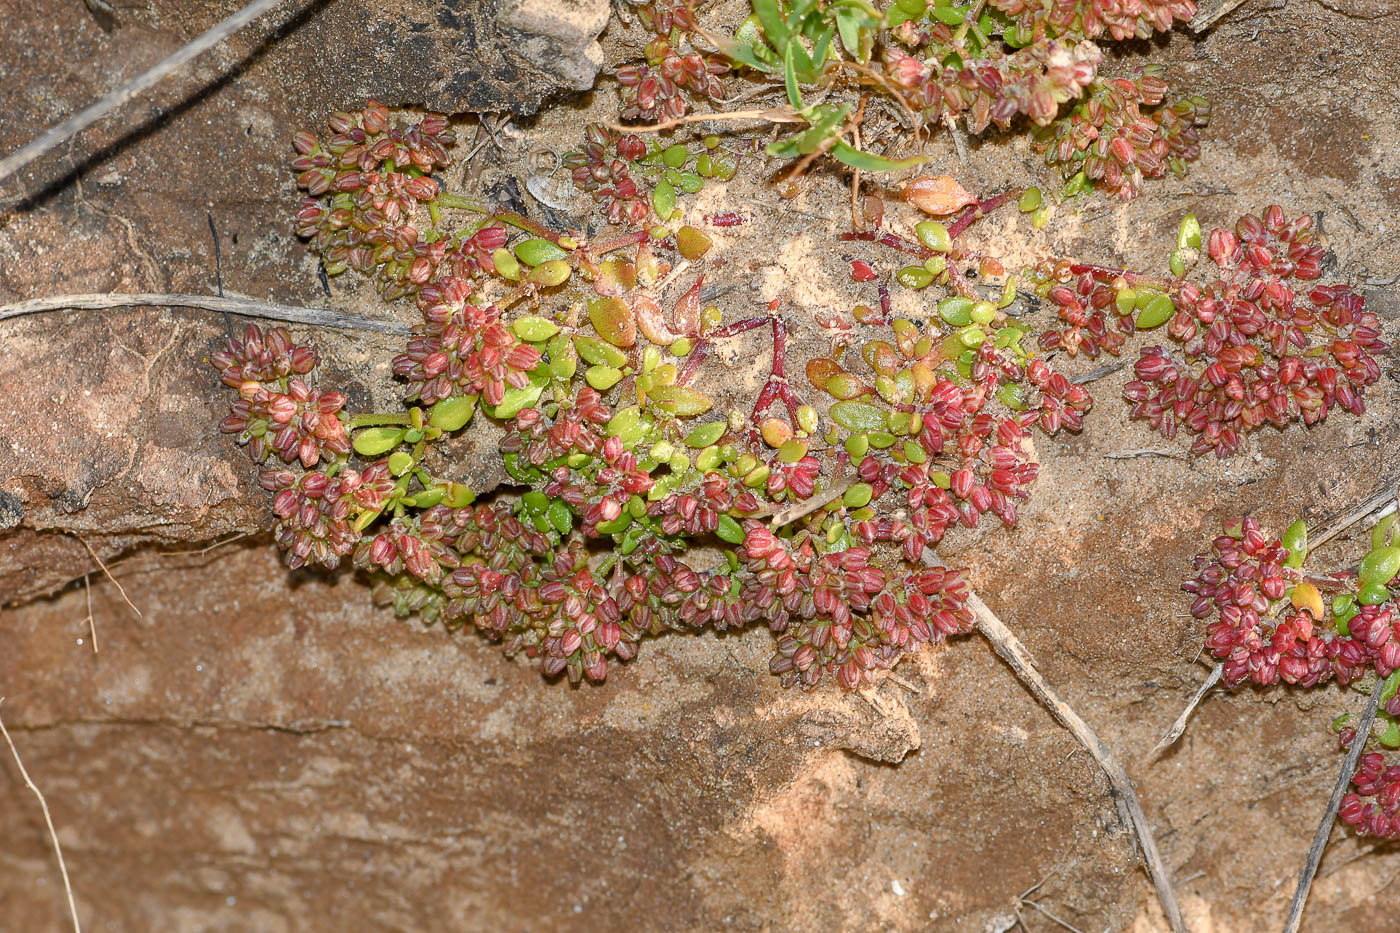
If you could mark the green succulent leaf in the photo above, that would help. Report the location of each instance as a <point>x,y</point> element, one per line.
<point>869,162</point>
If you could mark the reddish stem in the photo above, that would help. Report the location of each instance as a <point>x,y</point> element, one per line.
<point>607,246</point>
<point>981,209</point>
<point>702,345</point>
<point>891,240</point>
<point>1107,274</point>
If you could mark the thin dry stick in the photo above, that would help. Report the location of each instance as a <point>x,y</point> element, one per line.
<point>807,506</point>
<point>92,623</point>
<point>1324,829</point>
<point>53,835</point>
<point>316,317</point>
<point>137,85</point>
<point>1179,726</point>
<point>1015,654</point>
<point>158,555</point>
<point>1064,923</point>
<point>120,588</point>
<point>1330,531</point>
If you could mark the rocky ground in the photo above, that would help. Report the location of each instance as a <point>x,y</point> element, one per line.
<point>263,750</point>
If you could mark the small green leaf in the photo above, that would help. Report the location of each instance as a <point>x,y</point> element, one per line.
<point>1378,533</point>
<point>682,401</point>
<point>858,416</point>
<point>551,273</point>
<point>770,17</point>
<point>515,400</point>
<point>372,442</point>
<point>1390,738</point>
<point>537,251</point>
<point>534,329</point>
<point>1372,594</point>
<point>628,425</point>
<point>1380,565</point>
<point>934,235</point>
<point>820,49</point>
<point>729,530</point>
<point>674,156</point>
<point>706,434</point>
<point>955,310</point>
<point>1158,309</point>
<point>453,413</point>
<point>599,352</point>
<point>663,199</point>
<point>824,121</point>
<point>602,378</point>
<point>857,496</point>
<point>1188,236</point>
<point>848,25</point>
<point>560,516</point>
<point>784,148</point>
<point>1296,540</point>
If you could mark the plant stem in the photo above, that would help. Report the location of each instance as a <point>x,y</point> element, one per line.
<point>1015,654</point>
<point>1329,816</point>
<point>981,209</point>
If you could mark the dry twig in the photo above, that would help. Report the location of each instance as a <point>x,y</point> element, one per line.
<point>92,623</point>
<point>1179,726</point>
<point>1329,816</point>
<point>248,307</point>
<point>121,589</point>
<point>137,85</point>
<point>807,506</point>
<point>1015,654</point>
<point>53,834</point>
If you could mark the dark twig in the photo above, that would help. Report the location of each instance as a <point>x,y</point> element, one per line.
<point>1015,654</point>
<point>316,317</point>
<point>1329,816</point>
<point>219,268</point>
<point>137,85</point>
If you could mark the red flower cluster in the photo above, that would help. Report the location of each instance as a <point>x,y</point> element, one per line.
<point>1239,582</point>
<point>260,357</point>
<point>316,511</point>
<point>1374,807</point>
<point>275,411</point>
<point>838,614</point>
<point>996,86</point>
<point>1092,18</point>
<point>464,350</point>
<point>1121,133</point>
<point>652,90</point>
<point>366,185</point>
<point>1262,638</point>
<point>610,179</point>
<point>1263,354</point>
